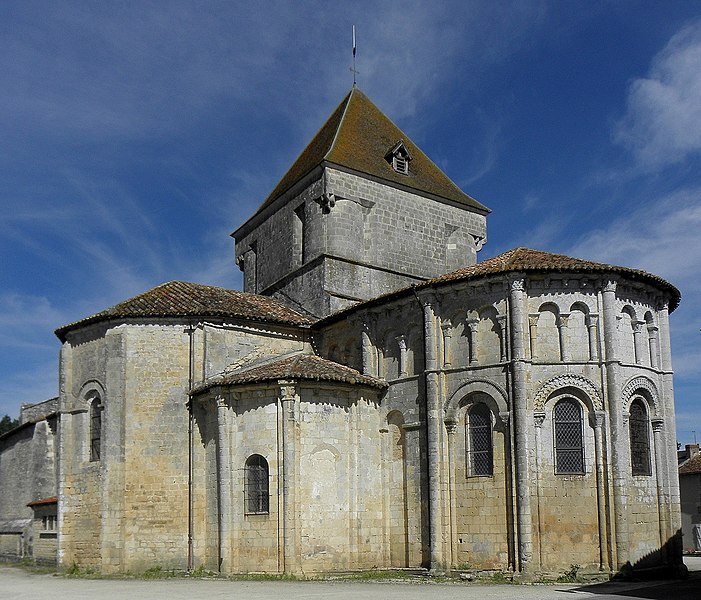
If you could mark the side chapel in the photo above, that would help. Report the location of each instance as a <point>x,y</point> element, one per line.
<point>376,397</point>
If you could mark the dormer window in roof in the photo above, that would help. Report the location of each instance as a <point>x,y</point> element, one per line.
<point>399,158</point>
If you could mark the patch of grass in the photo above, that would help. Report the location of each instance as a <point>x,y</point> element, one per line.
<point>158,572</point>
<point>570,576</point>
<point>79,572</point>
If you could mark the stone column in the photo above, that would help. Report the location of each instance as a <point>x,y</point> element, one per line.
<point>562,333</point>
<point>601,495</point>
<point>369,367</point>
<point>447,338</point>
<point>638,341</point>
<point>224,480</point>
<point>472,325</point>
<point>533,333</point>
<point>502,320</point>
<point>538,420</point>
<point>667,393</point>
<point>291,533</point>
<point>517,306</point>
<point>592,322</point>
<point>451,427</point>
<point>433,434</point>
<point>652,333</point>
<point>619,436</point>
<point>401,342</point>
<point>661,476</point>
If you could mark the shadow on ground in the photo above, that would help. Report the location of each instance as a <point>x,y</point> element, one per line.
<point>676,589</point>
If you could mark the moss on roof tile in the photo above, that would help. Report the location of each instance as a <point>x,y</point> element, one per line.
<point>358,136</point>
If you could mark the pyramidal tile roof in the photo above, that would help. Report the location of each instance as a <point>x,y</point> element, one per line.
<point>183,299</point>
<point>297,366</point>
<point>358,136</point>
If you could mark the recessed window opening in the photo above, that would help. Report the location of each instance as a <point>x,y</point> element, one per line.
<point>256,485</point>
<point>568,437</point>
<point>639,439</point>
<point>95,428</point>
<point>479,441</point>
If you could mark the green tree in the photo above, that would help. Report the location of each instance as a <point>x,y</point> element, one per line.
<point>6,423</point>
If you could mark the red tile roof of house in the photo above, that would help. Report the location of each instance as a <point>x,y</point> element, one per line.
<point>183,299</point>
<point>298,366</point>
<point>691,466</point>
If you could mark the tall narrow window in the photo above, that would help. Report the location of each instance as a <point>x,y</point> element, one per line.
<point>256,492</point>
<point>639,439</point>
<point>569,439</point>
<point>95,428</point>
<point>479,440</point>
<point>298,234</point>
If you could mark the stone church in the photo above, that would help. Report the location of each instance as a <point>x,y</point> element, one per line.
<point>376,397</point>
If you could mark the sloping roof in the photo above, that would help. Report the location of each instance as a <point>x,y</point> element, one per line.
<point>297,366</point>
<point>527,260</point>
<point>183,299</point>
<point>14,525</point>
<point>691,466</point>
<point>522,260</point>
<point>358,136</point>
<point>44,501</point>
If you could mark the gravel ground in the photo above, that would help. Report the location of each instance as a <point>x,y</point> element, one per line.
<point>18,584</point>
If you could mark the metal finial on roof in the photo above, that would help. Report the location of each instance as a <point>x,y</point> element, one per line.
<point>353,69</point>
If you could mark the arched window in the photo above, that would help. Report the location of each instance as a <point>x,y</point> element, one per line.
<point>95,428</point>
<point>479,441</point>
<point>256,494</point>
<point>569,440</point>
<point>639,439</point>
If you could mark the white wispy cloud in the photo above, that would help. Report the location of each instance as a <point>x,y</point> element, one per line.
<point>661,124</point>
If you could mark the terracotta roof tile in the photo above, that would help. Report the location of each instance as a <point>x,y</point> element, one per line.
<point>44,501</point>
<point>183,299</point>
<point>522,260</point>
<point>691,466</point>
<point>298,366</point>
<point>527,260</point>
<point>358,136</point>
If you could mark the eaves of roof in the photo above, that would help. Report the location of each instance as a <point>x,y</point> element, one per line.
<point>180,299</point>
<point>358,136</point>
<point>304,367</point>
<point>518,260</point>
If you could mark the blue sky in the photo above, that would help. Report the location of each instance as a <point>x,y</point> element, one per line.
<point>135,136</point>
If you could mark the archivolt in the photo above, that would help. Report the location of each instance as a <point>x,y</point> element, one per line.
<point>470,387</point>
<point>638,384</point>
<point>564,381</point>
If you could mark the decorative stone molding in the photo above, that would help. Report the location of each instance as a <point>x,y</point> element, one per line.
<point>635,385</point>
<point>327,201</point>
<point>609,286</point>
<point>518,285</point>
<point>538,419</point>
<point>564,381</point>
<point>494,391</point>
<point>451,427</point>
<point>599,418</point>
<point>657,424</point>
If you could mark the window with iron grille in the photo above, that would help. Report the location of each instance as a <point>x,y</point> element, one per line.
<point>568,437</point>
<point>256,492</point>
<point>639,439</point>
<point>479,441</point>
<point>95,428</point>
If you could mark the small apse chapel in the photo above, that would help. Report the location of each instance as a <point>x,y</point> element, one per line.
<point>376,397</point>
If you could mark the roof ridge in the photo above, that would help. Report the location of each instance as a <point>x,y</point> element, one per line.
<point>348,99</point>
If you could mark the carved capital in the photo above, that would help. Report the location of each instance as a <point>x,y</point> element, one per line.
<point>505,417</point>
<point>451,427</point>
<point>401,342</point>
<point>599,418</point>
<point>638,326</point>
<point>288,390</point>
<point>592,319</point>
<point>221,401</point>
<point>517,284</point>
<point>501,320</point>
<point>327,201</point>
<point>538,419</point>
<point>562,319</point>
<point>657,424</point>
<point>472,324</point>
<point>479,241</point>
<point>533,319</point>
<point>609,286</point>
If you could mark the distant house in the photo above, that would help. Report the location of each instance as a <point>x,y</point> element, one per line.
<point>690,496</point>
